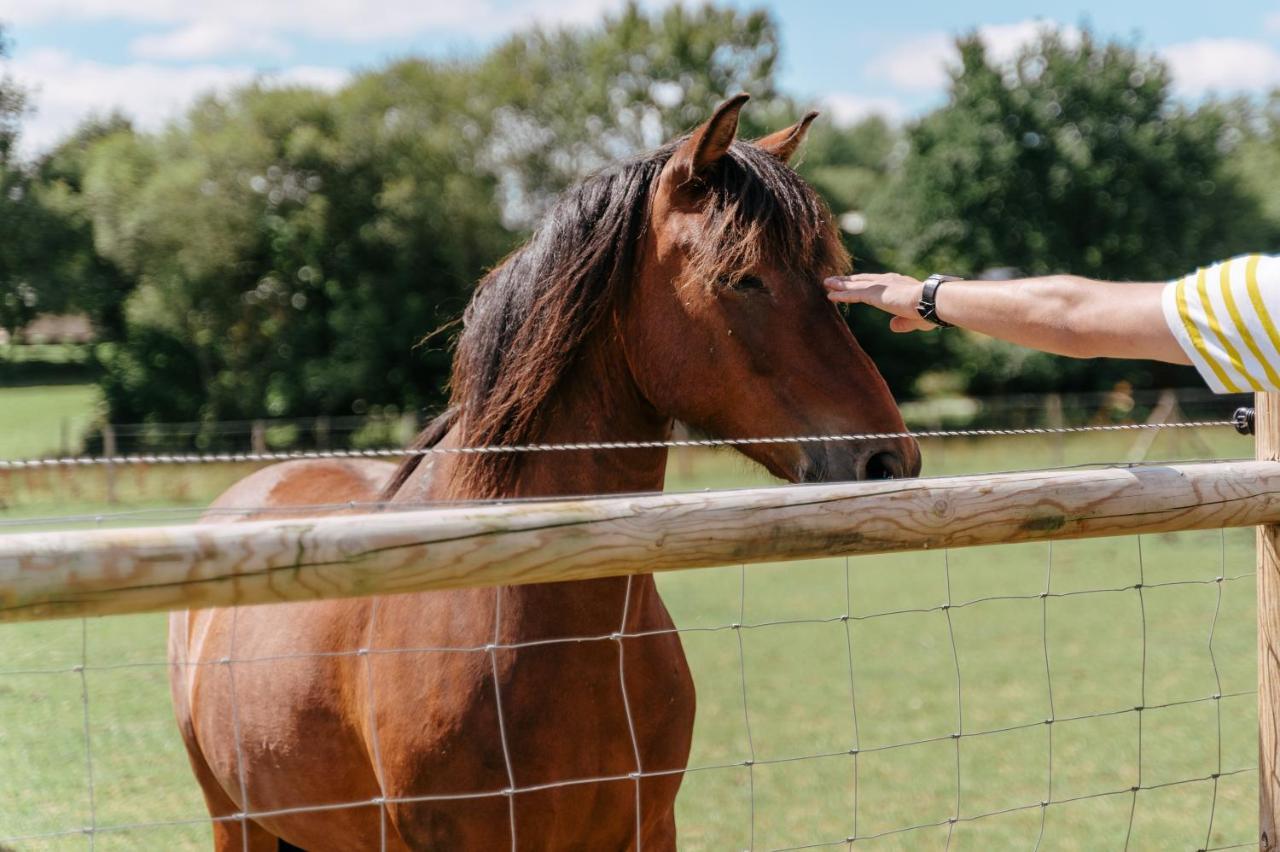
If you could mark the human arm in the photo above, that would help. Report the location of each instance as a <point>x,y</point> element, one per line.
<point>1062,314</point>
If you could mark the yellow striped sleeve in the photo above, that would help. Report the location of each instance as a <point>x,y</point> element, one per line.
<point>1242,325</point>
<point>1223,318</point>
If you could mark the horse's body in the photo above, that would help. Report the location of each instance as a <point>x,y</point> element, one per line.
<point>312,732</point>
<point>440,703</point>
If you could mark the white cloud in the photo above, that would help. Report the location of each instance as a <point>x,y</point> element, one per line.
<point>205,40</point>
<point>917,64</point>
<point>1005,41</point>
<point>65,90</point>
<point>346,20</point>
<point>1222,65</point>
<point>846,108</point>
<point>920,63</point>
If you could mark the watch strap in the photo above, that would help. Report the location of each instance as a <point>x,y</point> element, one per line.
<point>927,307</point>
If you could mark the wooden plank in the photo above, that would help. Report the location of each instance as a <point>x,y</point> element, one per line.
<point>47,575</point>
<point>1267,431</point>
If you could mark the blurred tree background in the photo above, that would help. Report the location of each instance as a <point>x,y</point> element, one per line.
<point>284,251</point>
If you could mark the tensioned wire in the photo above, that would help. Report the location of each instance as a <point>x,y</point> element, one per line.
<point>166,514</point>
<point>578,446</point>
<point>752,760</point>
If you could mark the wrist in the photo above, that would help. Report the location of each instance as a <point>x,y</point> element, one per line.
<point>927,305</point>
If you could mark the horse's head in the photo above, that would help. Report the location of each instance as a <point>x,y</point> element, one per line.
<point>727,327</point>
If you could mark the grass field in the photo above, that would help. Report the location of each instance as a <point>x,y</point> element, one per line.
<point>32,418</point>
<point>795,655</point>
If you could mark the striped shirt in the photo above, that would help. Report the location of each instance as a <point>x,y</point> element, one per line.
<point>1225,318</point>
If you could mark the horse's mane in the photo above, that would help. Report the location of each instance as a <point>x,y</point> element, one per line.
<point>531,315</point>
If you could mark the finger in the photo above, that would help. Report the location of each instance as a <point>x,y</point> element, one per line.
<point>853,297</point>
<point>902,325</point>
<point>845,282</point>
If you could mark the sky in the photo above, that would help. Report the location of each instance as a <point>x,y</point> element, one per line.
<point>151,58</point>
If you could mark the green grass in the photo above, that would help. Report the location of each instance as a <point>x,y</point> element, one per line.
<point>32,418</point>
<point>796,659</point>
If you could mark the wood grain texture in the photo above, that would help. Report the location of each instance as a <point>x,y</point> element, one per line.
<point>1267,430</point>
<point>50,575</point>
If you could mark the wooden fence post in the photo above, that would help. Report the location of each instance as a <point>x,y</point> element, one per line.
<point>1267,431</point>
<point>258,437</point>
<point>322,432</point>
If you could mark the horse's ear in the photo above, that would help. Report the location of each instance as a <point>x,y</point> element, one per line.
<point>784,143</point>
<point>706,145</point>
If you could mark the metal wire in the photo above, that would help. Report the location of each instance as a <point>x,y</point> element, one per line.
<point>174,514</point>
<point>578,446</point>
<point>637,634</point>
<point>750,761</point>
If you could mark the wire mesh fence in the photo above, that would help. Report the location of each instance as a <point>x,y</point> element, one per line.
<point>1094,694</point>
<point>1087,694</point>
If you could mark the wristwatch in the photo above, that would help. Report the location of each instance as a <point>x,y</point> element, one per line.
<point>927,307</point>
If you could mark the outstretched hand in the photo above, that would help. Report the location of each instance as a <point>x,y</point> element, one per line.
<point>890,292</point>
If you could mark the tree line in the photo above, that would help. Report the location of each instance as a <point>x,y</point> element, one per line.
<point>290,252</point>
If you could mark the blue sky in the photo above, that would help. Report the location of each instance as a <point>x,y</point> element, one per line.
<point>151,57</point>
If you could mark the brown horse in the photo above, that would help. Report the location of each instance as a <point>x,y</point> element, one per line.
<point>681,285</point>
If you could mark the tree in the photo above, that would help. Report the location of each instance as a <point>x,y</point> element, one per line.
<point>67,271</point>
<point>335,231</point>
<point>18,298</point>
<point>291,248</point>
<point>1252,144</point>
<point>1074,158</point>
<point>567,102</point>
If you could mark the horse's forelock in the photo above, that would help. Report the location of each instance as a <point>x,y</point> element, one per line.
<point>759,210</point>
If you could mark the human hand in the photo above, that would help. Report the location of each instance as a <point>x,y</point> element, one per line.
<point>892,293</point>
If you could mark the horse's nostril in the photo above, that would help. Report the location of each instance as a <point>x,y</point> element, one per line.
<point>883,466</point>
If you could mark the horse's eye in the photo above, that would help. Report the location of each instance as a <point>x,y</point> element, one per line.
<point>746,282</point>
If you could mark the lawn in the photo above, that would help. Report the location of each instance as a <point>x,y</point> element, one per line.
<point>993,667</point>
<point>45,419</point>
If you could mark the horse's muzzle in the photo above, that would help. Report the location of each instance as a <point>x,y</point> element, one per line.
<point>839,462</point>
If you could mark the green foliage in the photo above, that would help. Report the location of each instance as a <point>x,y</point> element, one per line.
<point>1252,141</point>
<point>283,251</point>
<point>18,215</point>
<point>334,231</point>
<point>291,248</point>
<point>1075,159</point>
<point>48,262</point>
<point>70,274</point>
<point>13,104</point>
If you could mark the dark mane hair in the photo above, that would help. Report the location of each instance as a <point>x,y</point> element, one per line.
<point>531,315</point>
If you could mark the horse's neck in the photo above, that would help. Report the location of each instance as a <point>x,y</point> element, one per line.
<point>598,401</point>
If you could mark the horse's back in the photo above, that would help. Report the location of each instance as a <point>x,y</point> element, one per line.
<point>307,484</point>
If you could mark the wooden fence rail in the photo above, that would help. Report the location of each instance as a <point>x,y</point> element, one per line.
<point>103,571</point>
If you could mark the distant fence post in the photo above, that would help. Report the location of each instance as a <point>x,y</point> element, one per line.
<point>1267,431</point>
<point>322,432</point>
<point>409,428</point>
<point>258,437</point>
<point>1055,419</point>
<point>110,451</point>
